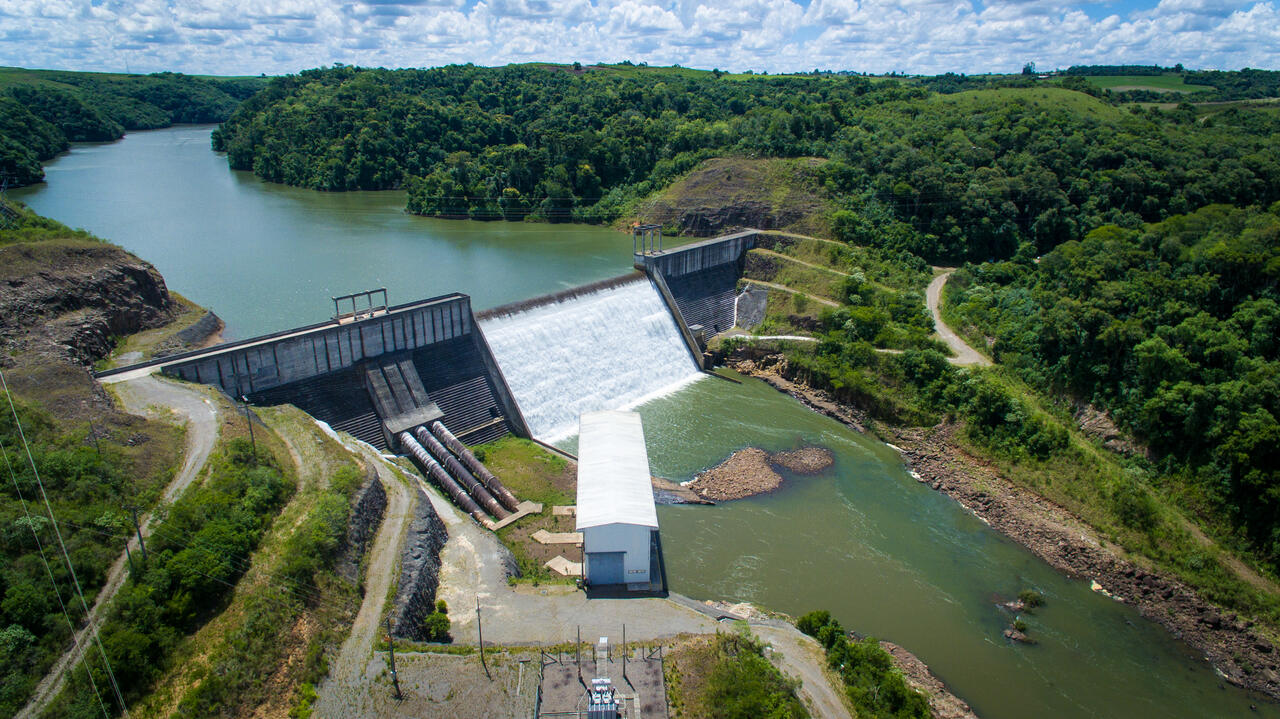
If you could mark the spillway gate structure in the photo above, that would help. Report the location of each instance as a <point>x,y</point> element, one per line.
<point>423,374</point>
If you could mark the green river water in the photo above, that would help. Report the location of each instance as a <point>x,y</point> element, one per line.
<point>886,555</point>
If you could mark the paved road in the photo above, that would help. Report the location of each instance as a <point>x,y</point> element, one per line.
<point>472,566</point>
<point>965,355</point>
<point>145,395</point>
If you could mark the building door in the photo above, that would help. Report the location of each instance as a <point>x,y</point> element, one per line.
<point>605,568</point>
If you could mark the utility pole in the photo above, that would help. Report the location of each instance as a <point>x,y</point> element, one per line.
<point>577,653</point>
<point>133,571</point>
<point>624,652</point>
<point>138,528</point>
<point>93,433</point>
<point>480,634</point>
<point>391,646</point>
<point>248,421</point>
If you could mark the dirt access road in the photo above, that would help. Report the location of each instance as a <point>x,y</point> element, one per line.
<point>801,657</point>
<point>965,355</point>
<point>345,692</point>
<point>146,395</point>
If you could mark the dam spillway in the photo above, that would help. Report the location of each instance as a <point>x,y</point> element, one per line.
<point>606,348</point>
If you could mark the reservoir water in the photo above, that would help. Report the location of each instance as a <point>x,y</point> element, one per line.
<point>886,555</point>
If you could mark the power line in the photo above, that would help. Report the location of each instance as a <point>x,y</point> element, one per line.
<point>303,591</point>
<point>75,644</point>
<point>63,546</point>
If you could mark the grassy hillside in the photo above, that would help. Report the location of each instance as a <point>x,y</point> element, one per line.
<point>1159,83</point>
<point>94,459</point>
<point>725,193</point>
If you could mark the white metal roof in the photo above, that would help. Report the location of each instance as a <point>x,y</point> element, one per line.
<point>613,471</point>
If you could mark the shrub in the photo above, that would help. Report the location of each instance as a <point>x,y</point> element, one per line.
<point>436,627</point>
<point>1030,598</point>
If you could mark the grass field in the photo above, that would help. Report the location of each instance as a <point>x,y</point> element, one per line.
<point>1157,83</point>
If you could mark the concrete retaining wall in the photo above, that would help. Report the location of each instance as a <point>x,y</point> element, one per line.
<point>264,363</point>
<point>419,570</point>
<point>699,255</point>
<point>367,508</point>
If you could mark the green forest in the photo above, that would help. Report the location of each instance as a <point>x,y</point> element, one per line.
<point>43,111</point>
<point>1175,329</point>
<point>954,176</point>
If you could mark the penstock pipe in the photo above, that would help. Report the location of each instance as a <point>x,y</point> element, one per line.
<point>442,478</point>
<point>486,477</point>
<point>460,473</point>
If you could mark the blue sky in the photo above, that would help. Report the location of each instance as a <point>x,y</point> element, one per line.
<point>917,36</point>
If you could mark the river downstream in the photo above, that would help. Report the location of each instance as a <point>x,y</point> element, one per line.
<point>888,557</point>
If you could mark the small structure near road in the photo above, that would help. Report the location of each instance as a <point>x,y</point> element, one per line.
<point>616,513</point>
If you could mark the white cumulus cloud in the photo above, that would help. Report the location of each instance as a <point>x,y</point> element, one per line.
<point>924,36</point>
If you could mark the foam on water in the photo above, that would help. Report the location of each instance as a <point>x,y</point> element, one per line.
<point>611,349</point>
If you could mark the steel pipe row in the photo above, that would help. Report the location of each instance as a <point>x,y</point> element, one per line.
<point>442,478</point>
<point>482,472</point>
<point>460,473</point>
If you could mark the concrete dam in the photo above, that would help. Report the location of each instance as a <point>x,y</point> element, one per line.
<point>430,378</point>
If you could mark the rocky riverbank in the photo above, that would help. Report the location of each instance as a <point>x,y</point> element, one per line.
<point>1232,645</point>
<point>944,704</point>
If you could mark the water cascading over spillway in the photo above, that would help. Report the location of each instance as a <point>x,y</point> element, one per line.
<point>608,349</point>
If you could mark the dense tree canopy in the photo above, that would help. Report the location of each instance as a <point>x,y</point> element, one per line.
<point>967,175</point>
<point>1175,328</point>
<point>42,112</point>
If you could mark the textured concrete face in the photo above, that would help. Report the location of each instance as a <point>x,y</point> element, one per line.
<point>273,361</point>
<point>699,256</point>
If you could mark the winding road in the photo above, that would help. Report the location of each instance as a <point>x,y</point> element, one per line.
<point>150,396</point>
<point>965,355</point>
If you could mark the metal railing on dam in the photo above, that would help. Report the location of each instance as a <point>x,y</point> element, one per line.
<point>697,256</point>
<point>317,364</point>
<point>325,368</point>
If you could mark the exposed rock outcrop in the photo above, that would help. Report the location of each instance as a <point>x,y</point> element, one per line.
<point>1098,425</point>
<point>73,298</point>
<point>367,508</point>
<point>419,570</point>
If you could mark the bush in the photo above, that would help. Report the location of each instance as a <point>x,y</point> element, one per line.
<point>1030,598</point>
<point>436,627</point>
<point>876,687</point>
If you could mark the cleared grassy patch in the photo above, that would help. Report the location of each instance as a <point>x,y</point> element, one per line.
<point>1044,98</point>
<point>727,675</point>
<point>532,473</point>
<point>786,192</point>
<point>529,471</point>
<point>769,267</point>
<point>1171,82</point>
